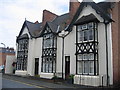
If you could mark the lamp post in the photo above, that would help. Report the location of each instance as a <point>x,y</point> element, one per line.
<point>3,44</point>
<point>63,34</point>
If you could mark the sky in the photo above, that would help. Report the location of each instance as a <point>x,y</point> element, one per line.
<point>14,12</point>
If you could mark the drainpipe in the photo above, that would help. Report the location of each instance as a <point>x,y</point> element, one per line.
<point>106,23</point>
<point>62,54</point>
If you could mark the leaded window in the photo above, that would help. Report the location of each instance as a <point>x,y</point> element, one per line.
<point>48,52</point>
<point>48,41</point>
<point>87,49</point>
<point>86,32</point>
<point>22,54</point>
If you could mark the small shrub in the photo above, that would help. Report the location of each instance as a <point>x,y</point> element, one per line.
<point>71,76</point>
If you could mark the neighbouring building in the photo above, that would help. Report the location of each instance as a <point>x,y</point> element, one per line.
<point>10,64</point>
<point>83,42</point>
<point>4,52</point>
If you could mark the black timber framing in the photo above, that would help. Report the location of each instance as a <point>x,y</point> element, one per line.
<point>49,53</point>
<point>22,55</point>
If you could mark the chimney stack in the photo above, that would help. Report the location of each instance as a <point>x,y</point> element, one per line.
<point>74,4</point>
<point>48,16</point>
<point>36,22</point>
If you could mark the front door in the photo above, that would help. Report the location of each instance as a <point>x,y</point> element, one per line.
<point>36,66</point>
<point>67,66</point>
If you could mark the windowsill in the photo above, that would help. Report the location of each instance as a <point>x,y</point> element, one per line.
<point>87,75</point>
<point>87,41</point>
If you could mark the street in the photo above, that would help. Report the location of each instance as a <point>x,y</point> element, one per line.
<point>13,82</point>
<point>9,81</point>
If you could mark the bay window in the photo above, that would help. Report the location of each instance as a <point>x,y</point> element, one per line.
<point>22,54</point>
<point>48,52</point>
<point>87,49</point>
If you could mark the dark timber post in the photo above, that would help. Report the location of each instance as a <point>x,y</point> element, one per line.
<point>106,53</point>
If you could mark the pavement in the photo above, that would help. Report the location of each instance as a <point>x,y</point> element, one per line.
<point>46,83</point>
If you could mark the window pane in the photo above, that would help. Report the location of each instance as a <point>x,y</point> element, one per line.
<point>50,66</point>
<point>79,67</point>
<point>48,41</point>
<point>90,25</point>
<point>86,69</point>
<point>96,35</point>
<point>43,68</point>
<point>85,35</point>
<point>54,66</point>
<point>96,67</point>
<point>91,56</point>
<point>91,35</point>
<point>80,57</point>
<point>79,28</point>
<point>85,56</point>
<point>47,65</point>
<point>91,66</point>
<point>84,26</point>
<point>80,36</point>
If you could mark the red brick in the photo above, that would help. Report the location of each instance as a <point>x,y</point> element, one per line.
<point>48,16</point>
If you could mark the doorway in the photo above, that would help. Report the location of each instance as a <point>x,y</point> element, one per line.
<point>36,66</point>
<point>67,66</point>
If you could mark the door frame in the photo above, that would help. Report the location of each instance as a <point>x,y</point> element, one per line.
<point>67,66</point>
<point>36,62</point>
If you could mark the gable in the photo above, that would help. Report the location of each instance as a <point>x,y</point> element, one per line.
<point>25,31</point>
<point>46,30</point>
<point>87,10</point>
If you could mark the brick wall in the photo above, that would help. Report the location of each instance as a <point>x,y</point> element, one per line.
<point>116,42</point>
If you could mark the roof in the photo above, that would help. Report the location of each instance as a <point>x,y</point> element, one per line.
<point>24,36</point>
<point>86,19</point>
<point>33,28</point>
<point>105,6</point>
<point>58,24</point>
<point>97,7</point>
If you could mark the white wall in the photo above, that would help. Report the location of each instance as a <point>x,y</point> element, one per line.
<point>31,54</point>
<point>35,51</point>
<point>38,52</point>
<point>70,50</point>
<point>9,61</point>
<point>59,56</point>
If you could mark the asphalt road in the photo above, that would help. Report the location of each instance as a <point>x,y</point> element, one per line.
<point>8,83</point>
